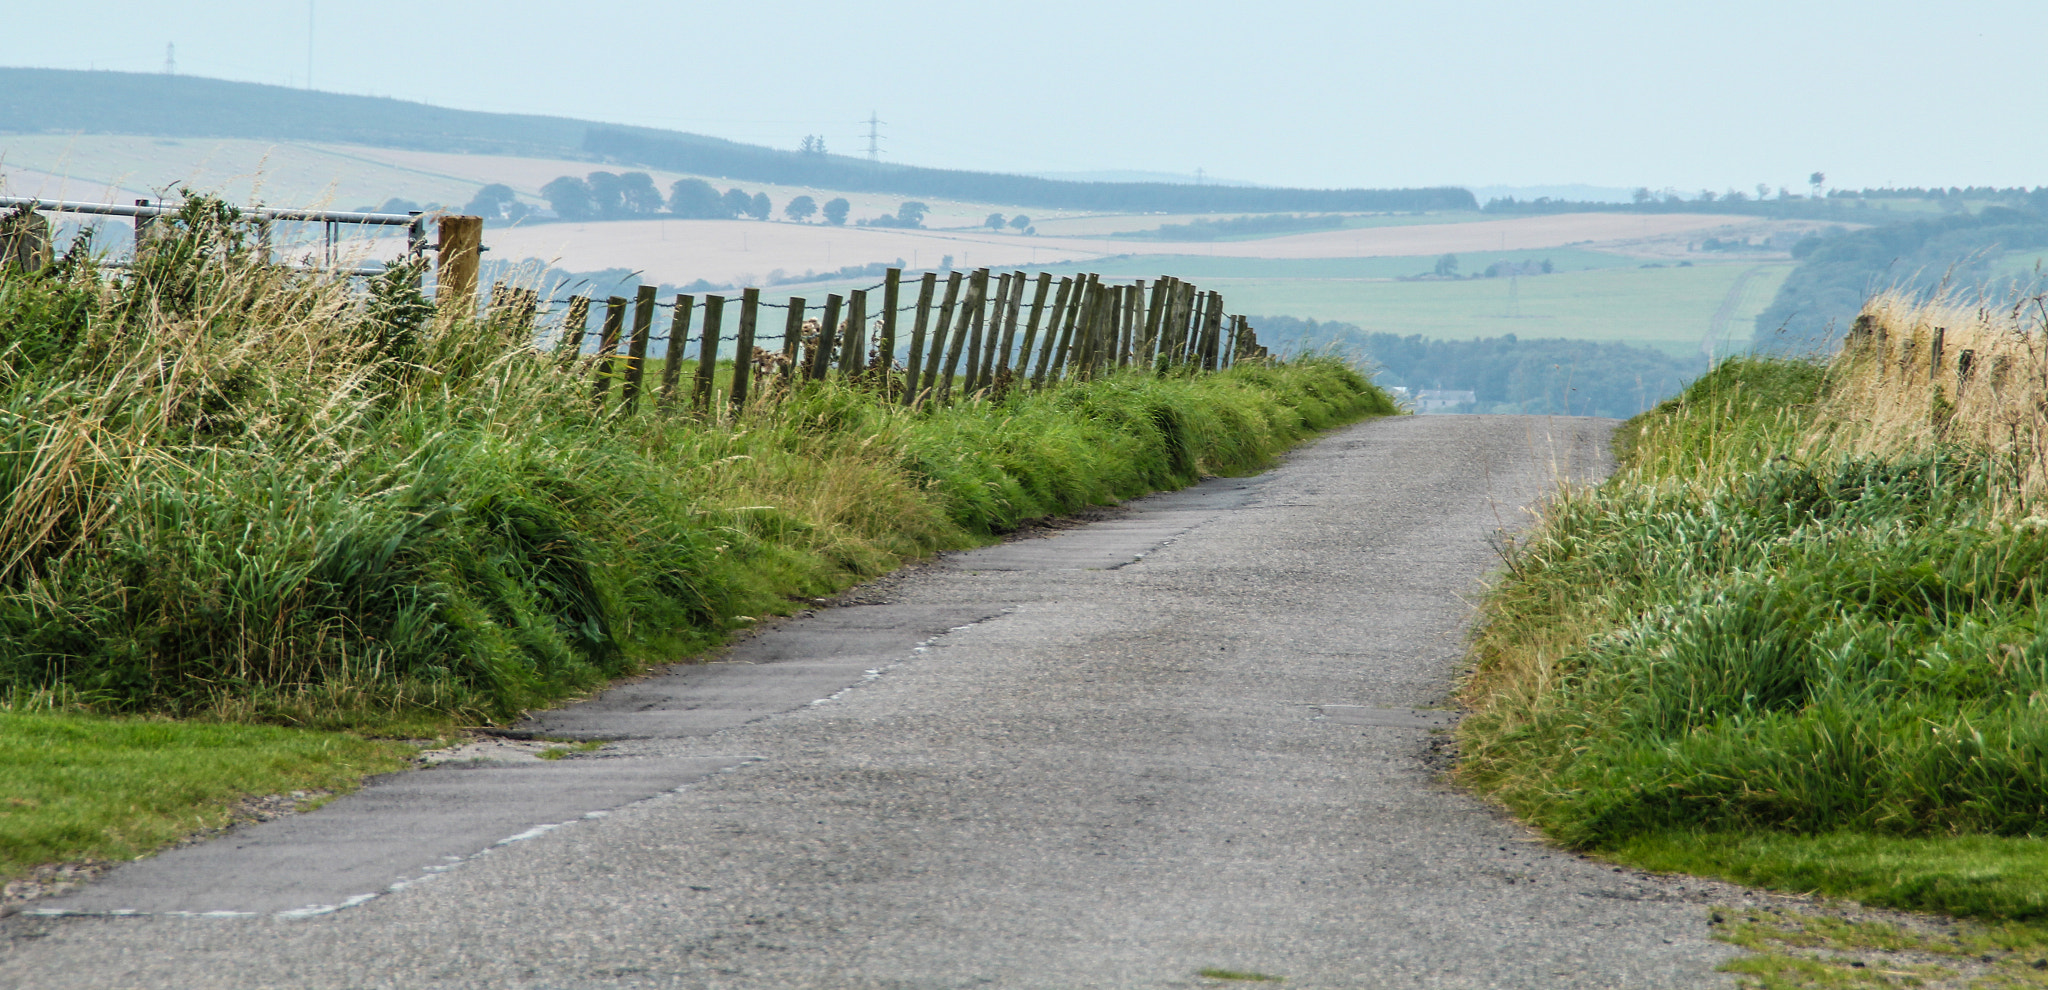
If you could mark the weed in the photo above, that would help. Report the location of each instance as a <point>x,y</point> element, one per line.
<point>1213,973</point>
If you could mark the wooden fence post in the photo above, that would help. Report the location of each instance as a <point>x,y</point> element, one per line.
<point>636,355</point>
<point>1213,331</point>
<point>608,347</point>
<point>575,324</point>
<point>913,369</point>
<point>1934,353</point>
<point>1148,346</point>
<point>672,356</point>
<point>930,388</point>
<point>995,334</point>
<point>972,379</point>
<point>1077,305</point>
<point>853,341</point>
<point>1031,328</point>
<point>820,358</point>
<point>1003,373</point>
<point>970,313</point>
<point>1052,332</point>
<point>458,255</point>
<point>707,351</point>
<point>792,336</point>
<point>743,350</point>
<point>885,361</point>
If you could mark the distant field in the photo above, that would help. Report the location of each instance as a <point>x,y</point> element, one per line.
<point>1668,308</point>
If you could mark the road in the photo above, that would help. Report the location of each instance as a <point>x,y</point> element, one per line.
<point>1206,732</point>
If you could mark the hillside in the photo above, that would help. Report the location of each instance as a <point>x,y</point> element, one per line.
<point>34,101</point>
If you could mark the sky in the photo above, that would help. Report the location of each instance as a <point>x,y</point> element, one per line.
<point>1686,96</point>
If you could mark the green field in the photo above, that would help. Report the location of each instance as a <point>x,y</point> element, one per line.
<point>1668,308</point>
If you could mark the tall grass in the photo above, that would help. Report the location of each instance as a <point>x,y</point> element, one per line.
<point>1809,604</point>
<point>239,491</point>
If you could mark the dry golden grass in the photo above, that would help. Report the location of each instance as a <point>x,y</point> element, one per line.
<point>1916,373</point>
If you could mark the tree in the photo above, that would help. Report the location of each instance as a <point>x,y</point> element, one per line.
<point>1644,195</point>
<point>1020,221</point>
<point>1817,180</point>
<point>814,144</point>
<point>911,214</point>
<point>694,199</point>
<point>638,194</point>
<point>570,197</point>
<point>836,210</point>
<point>1447,265</point>
<point>490,201</point>
<point>737,203</point>
<point>1763,191</point>
<point>759,208</point>
<point>607,194</point>
<point>800,209</point>
<point>995,221</point>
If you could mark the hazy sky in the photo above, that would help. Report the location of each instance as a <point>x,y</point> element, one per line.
<point>1685,95</point>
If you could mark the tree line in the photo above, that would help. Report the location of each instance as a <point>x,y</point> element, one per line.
<point>1955,253</point>
<point>1507,374</point>
<point>681,153</point>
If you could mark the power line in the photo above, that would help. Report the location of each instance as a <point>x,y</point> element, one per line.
<point>874,123</point>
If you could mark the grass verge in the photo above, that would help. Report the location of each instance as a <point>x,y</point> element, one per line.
<point>1799,639</point>
<point>90,787</point>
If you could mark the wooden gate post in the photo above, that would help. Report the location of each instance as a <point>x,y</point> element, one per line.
<point>25,242</point>
<point>458,257</point>
<point>819,360</point>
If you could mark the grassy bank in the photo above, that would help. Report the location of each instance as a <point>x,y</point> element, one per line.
<point>241,494</point>
<point>1799,638</point>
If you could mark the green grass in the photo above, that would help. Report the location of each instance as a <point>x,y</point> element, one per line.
<point>1669,308</point>
<point>1751,656</point>
<point>76,786</point>
<point>1990,876</point>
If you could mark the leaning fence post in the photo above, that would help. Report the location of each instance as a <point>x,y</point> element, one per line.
<point>820,358</point>
<point>458,258</point>
<point>972,377</point>
<point>986,370</point>
<point>607,347</point>
<point>932,360</point>
<point>853,343</point>
<point>1021,371</point>
<point>792,336</point>
<point>914,368</point>
<point>1077,301</point>
<point>1148,344</point>
<point>707,352</point>
<point>636,355</point>
<point>678,336</point>
<point>885,359</point>
<point>970,311</point>
<point>743,350</point>
<point>1052,331</point>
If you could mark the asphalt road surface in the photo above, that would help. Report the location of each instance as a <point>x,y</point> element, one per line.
<point>1204,733</point>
